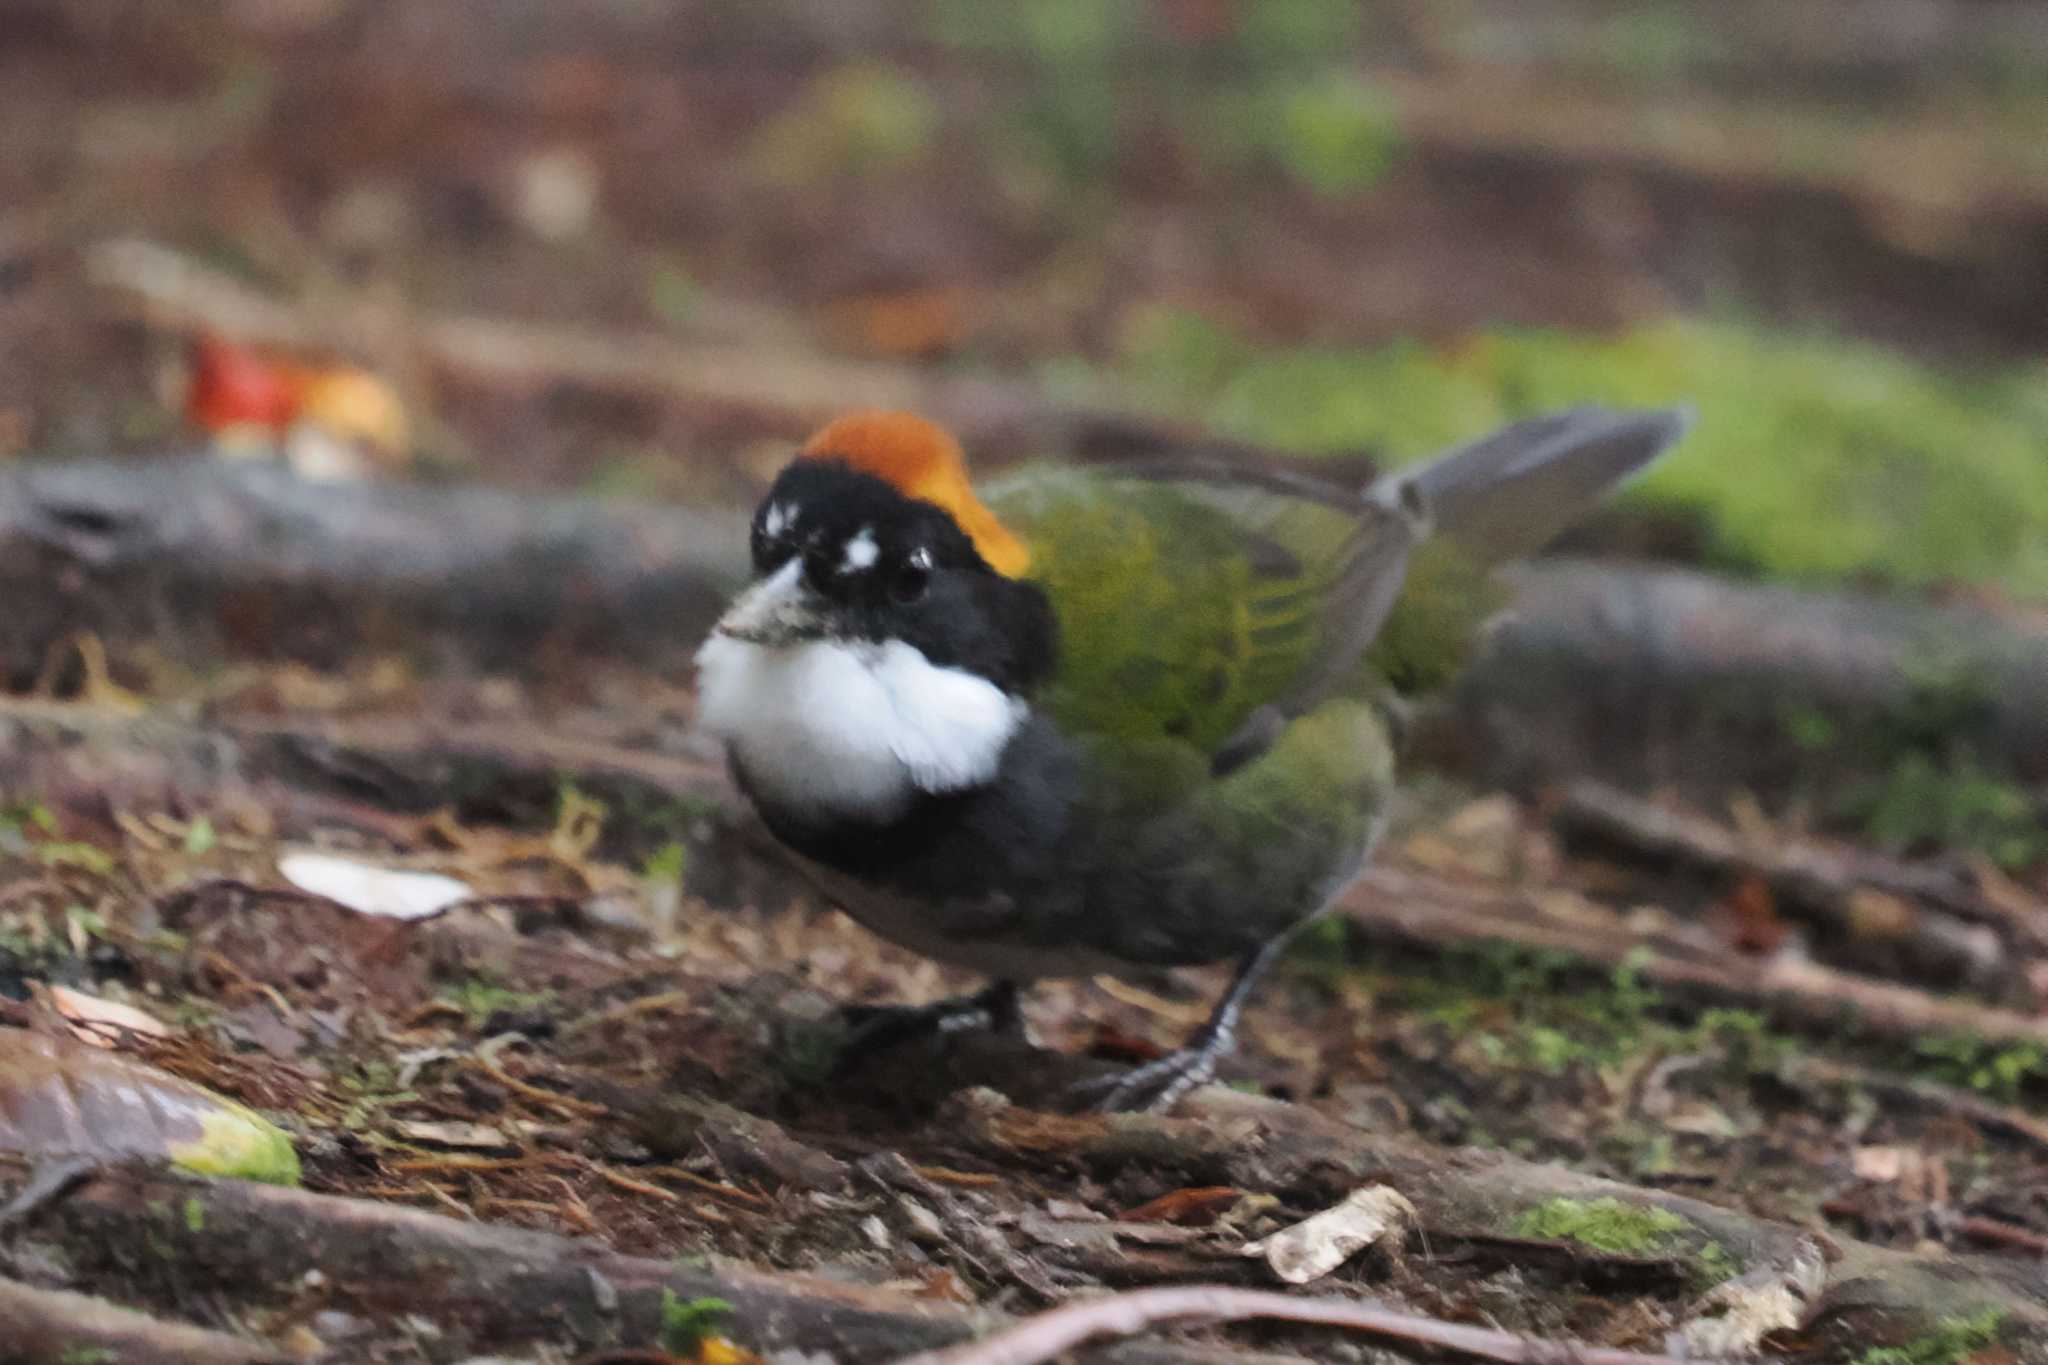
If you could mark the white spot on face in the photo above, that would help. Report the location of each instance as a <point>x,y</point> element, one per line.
<point>781,516</point>
<point>861,552</point>
<point>829,729</point>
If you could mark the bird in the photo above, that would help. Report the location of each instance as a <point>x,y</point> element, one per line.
<point>1111,718</point>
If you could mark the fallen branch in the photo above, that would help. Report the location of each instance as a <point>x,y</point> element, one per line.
<point>211,559</point>
<point>1822,876</point>
<point>169,1241</point>
<point>1783,1276</point>
<point>1222,1137</point>
<point>1415,910</point>
<point>1054,1333</point>
<point>57,1325</point>
<point>1927,923</point>
<point>483,1284</point>
<point>1665,677</point>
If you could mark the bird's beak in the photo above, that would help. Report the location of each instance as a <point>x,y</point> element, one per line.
<point>779,610</point>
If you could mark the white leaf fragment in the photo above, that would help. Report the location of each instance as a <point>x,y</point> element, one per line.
<point>102,1022</point>
<point>372,890</point>
<point>1321,1242</point>
<point>1735,1316</point>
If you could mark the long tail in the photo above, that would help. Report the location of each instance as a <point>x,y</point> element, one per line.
<point>1507,494</point>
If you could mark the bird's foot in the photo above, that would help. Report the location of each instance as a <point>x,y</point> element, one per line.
<point>1154,1086</point>
<point>877,1028</point>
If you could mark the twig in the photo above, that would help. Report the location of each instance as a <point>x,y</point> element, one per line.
<point>717,1187</point>
<point>1823,882</point>
<point>55,1324</point>
<point>1053,1333</point>
<point>486,1057</point>
<point>2003,1234</point>
<point>1945,1099</point>
<point>629,1184</point>
<point>1419,910</point>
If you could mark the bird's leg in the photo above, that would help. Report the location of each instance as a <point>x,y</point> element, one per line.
<point>1156,1084</point>
<point>876,1028</point>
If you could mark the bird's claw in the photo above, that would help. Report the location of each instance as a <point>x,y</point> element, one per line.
<point>1152,1086</point>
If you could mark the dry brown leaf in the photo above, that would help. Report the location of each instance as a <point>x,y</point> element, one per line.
<point>99,1022</point>
<point>1187,1207</point>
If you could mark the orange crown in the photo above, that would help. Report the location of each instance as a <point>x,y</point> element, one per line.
<point>923,461</point>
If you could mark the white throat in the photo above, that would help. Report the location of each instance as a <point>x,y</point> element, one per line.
<point>829,729</point>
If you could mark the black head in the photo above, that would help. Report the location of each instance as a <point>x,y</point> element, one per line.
<point>875,566</point>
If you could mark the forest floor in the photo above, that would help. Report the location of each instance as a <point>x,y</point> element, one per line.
<point>1637,1084</point>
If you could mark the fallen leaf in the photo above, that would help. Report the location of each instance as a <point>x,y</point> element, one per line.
<point>1880,914</point>
<point>234,387</point>
<point>719,1351</point>
<point>59,1097</point>
<point>1882,1164</point>
<point>1317,1245</point>
<point>102,1022</point>
<point>1920,1178</point>
<point>354,405</point>
<point>1733,1318</point>
<point>371,890</point>
<point>1750,916</point>
<point>454,1134</point>
<point>1192,1206</point>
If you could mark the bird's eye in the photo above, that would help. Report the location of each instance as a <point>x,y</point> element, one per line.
<point>911,579</point>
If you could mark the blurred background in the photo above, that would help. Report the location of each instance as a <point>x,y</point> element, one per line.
<point>635,249</point>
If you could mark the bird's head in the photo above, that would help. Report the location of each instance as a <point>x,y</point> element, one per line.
<point>885,614</point>
<point>873,534</point>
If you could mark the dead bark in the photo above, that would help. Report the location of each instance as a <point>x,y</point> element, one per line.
<point>1219,1136</point>
<point>208,559</point>
<point>170,1241</point>
<point>1665,677</point>
<point>1406,909</point>
<point>48,1326</point>
<point>1926,924</point>
<point>1253,1143</point>
<point>1820,877</point>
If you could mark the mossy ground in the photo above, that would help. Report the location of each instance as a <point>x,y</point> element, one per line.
<point>1956,1339</point>
<point>1815,459</point>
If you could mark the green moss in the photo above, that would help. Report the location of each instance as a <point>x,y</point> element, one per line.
<point>1605,1224</point>
<point>1336,135</point>
<point>195,1215</point>
<point>1715,1265</point>
<point>2003,1071</point>
<point>1814,459</point>
<point>479,998</point>
<point>1954,803</point>
<point>685,1323</point>
<point>863,118</point>
<point>665,866</point>
<point>1950,1342</point>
